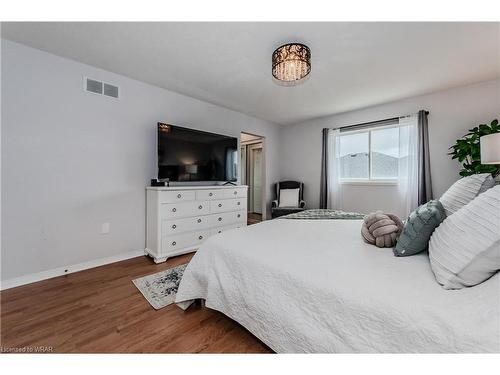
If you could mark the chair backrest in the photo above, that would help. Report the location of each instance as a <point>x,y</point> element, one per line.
<point>289,185</point>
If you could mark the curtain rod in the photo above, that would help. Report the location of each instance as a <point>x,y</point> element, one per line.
<point>369,123</point>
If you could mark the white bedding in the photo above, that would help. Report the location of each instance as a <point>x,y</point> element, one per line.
<point>315,286</point>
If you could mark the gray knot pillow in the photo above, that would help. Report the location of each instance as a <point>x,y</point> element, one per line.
<point>381,229</point>
<point>418,229</point>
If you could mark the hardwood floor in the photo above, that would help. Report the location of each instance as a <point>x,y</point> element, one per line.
<point>101,311</point>
<point>254,218</point>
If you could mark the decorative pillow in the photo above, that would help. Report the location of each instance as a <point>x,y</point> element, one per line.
<point>418,229</point>
<point>289,198</point>
<point>465,249</point>
<point>465,190</point>
<point>381,229</point>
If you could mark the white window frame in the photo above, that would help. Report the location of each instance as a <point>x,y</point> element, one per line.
<point>370,180</point>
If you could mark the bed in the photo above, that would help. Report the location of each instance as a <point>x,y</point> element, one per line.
<point>315,286</point>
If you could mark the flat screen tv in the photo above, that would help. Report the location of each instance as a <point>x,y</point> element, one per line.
<point>192,155</point>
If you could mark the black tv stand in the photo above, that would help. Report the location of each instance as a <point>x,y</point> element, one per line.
<point>228,183</point>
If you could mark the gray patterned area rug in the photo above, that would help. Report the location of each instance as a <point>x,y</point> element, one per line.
<point>160,288</point>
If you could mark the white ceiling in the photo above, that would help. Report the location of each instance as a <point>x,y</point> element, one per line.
<point>354,65</point>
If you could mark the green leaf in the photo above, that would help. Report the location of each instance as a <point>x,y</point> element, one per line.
<point>465,173</point>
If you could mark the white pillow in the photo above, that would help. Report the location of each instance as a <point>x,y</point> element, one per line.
<point>465,190</point>
<point>289,198</point>
<point>465,249</point>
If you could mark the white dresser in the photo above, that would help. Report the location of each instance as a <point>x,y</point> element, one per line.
<point>179,219</point>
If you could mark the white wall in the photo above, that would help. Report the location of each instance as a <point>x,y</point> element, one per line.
<point>73,160</point>
<point>452,113</point>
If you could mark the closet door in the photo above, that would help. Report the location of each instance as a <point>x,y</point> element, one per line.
<point>255,176</point>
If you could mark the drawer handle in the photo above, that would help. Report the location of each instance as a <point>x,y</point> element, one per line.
<point>174,209</point>
<point>220,219</point>
<point>179,195</point>
<point>200,237</point>
<point>199,220</point>
<point>200,207</point>
<point>210,194</point>
<point>174,226</point>
<point>220,204</point>
<point>239,203</point>
<point>174,243</point>
<point>239,215</point>
<point>235,192</point>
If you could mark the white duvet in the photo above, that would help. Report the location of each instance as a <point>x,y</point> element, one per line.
<point>315,286</point>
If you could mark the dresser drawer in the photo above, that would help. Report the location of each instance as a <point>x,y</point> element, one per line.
<point>189,224</point>
<point>177,196</point>
<point>226,205</point>
<point>226,218</point>
<point>237,192</point>
<point>180,241</point>
<point>225,228</point>
<point>207,195</point>
<point>184,209</point>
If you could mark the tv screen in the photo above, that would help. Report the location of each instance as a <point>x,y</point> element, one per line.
<point>192,155</point>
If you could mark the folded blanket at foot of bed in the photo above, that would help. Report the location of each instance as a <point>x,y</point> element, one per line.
<point>323,214</point>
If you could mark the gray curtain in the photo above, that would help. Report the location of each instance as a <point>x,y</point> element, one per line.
<point>323,192</point>
<point>424,166</point>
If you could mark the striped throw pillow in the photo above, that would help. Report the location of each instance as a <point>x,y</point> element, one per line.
<point>465,249</point>
<point>465,190</point>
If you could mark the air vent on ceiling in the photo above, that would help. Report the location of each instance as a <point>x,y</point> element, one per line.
<point>101,88</point>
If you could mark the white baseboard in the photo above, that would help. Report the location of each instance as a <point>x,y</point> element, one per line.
<point>44,275</point>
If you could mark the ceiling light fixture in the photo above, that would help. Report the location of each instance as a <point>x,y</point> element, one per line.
<point>291,63</point>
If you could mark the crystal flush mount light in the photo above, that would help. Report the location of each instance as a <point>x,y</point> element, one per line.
<point>291,63</point>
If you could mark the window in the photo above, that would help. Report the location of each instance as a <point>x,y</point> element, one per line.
<point>370,154</point>
<point>354,156</point>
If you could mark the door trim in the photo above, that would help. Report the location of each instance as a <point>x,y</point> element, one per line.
<point>266,210</point>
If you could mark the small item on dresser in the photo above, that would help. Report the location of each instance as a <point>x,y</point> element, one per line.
<point>381,229</point>
<point>155,182</point>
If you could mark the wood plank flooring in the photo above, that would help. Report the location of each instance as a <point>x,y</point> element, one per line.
<point>101,311</point>
<point>254,218</point>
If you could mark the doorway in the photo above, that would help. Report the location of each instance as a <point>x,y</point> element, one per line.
<point>253,175</point>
